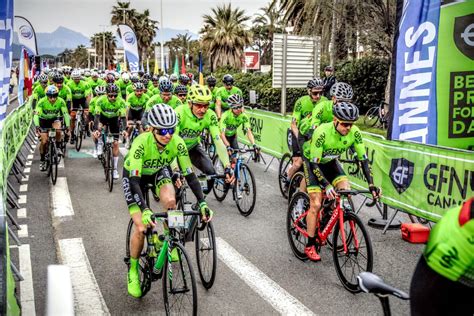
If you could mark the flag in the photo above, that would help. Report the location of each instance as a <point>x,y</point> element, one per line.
<point>26,34</point>
<point>6,38</point>
<point>183,66</point>
<point>176,66</point>
<point>118,67</point>
<point>24,80</point>
<point>166,66</point>
<point>156,69</point>
<point>129,41</point>
<point>201,76</point>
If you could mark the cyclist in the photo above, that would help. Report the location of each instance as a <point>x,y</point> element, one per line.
<point>443,281</point>
<point>98,91</point>
<point>174,80</point>
<point>231,120</point>
<point>64,92</point>
<point>155,89</point>
<point>329,80</point>
<point>302,110</point>
<point>81,95</point>
<point>49,113</point>
<point>195,117</point>
<point>109,109</point>
<point>211,84</point>
<point>94,81</point>
<point>323,171</point>
<point>183,79</point>
<point>161,146</point>
<point>191,78</point>
<point>123,83</point>
<point>181,92</point>
<point>135,105</point>
<point>166,96</point>
<point>39,91</point>
<point>223,93</point>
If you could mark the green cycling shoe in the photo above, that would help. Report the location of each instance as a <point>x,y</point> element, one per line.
<point>133,286</point>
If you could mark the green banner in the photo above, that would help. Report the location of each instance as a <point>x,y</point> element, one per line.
<point>419,179</point>
<point>455,76</point>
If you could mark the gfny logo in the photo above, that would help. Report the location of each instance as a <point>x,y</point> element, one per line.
<point>464,34</point>
<point>129,37</point>
<point>401,174</point>
<point>26,31</point>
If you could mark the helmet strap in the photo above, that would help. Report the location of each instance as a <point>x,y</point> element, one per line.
<point>336,125</point>
<point>158,143</point>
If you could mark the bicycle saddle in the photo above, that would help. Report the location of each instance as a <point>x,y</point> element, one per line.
<point>371,283</point>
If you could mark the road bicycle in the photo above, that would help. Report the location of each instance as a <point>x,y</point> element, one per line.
<point>244,189</point>
<point>377,115</point>
<point>208,145</point>
<point>285,164</point>
<point>107,158</point>
<point>371,283</point>
<point>53,157</point>
<point>351,244</point>
<point>136,127</point>
<point>79,132</point>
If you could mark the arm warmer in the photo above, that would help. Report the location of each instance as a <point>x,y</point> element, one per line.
<point>367,171</point>
<point>195,186</point>
<point>137,193</point>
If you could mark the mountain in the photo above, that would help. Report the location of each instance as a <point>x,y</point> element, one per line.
<point>62,38</point>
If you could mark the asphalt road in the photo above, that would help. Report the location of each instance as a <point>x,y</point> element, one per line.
<point>100,220</point>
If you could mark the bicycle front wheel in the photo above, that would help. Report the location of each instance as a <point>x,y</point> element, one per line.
<point>206,254</point>
<point>245,191</point>
<point>372,116</point>
<point>295,184</point>
<point>298,206</point>
<point>179,283</point>
<point>79,131</point>
<point>359,255</point>
<point>53,162</point>
<point>285,163</point>
<point>110,171</point>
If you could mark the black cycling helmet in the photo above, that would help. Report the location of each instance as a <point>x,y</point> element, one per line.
<point>166,86</point>
<point>112,88</point>
<point>138,86</point>
<point>141,73</point>
<point>110,78</point>
<point>145,81</point>
<point>329,68</point>
<point>315,83</point>
<point>147,76</point>
<point>155,78</point>
<point>211,81</point>
<point>183,79</point>
<point>181,89</point>
<point>228,79</point>
<point>345,112</point>
<point>58,78</point>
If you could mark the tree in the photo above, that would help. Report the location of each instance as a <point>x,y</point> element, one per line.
<point>80,57</point>
<point>97,42</point>
<point>266,23</point>
<point>225,35</point>
<point>65,56</point>
<point>123,14</point>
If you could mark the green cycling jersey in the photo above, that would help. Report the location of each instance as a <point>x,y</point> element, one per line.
<point>123,86</point>
<point>212,104</point>
<point>145,158</point>
<point>327,144</point>
<point>95,83</point>
<point>137,103</point>
<point>109,109</point>
<point>65,93</point>
<point>322,113</point>
<point>304,106</point>
<point>79,90</point>
<point>153,91</point>
<point>174,102</point>
<point>223,94</point>
<point>45,110</point>
<point>190,129</point>
<point>450,248</point>
<point>229,123</point>
<point>38,92</point>
<point>92,104</point>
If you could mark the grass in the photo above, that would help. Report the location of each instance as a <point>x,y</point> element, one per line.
<point>374,130</point>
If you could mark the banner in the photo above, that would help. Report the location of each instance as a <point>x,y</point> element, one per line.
<point>26,35</point>
<point>183,65</point>
<point>176,66</point>
<point>433,66</point>
<point>420,179</point>
<point>6,38</point>
<point>201,76</point>
<point>129,41</point>
<point>252,60</point>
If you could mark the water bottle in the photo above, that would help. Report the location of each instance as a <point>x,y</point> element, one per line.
<point>100,146</point>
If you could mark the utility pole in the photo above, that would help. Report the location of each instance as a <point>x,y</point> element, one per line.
<point>162,59</point>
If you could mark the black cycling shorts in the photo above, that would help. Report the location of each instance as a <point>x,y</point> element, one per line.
<point>332,171</point>
<point>233,141</point>
<point>46,124</point>
<point>112,123</point>
<point>76,103</point>
<point>135,114</point>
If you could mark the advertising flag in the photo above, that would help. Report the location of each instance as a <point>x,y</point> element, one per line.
<point>201,76</point>
<point>26,34</point>
<point>130,46</point>
<point>6,39</point>
<point>176,66</point>
<point>183,65</point>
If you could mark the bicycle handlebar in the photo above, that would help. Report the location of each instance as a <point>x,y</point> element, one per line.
<point>165,214</point>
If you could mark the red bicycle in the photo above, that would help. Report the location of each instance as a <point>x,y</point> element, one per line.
<point>351,245</point>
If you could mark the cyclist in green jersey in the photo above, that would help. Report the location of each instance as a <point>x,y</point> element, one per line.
<point>322,169</point>
<point>194,118</point>
<point>443,281</point>
<point>49,113</point>
<point>123,84</point>
<point>135,107</point>
<point>67,74</point>
<point>155,87</point>
<point>109,109</point>
<point>211,84</point>
<point>81,96</point>
<point>223,93</point>
<point>166,96</point>
<point>94,81</point>
<point>149,162</point>
<point>303,108</point>
<point>39,91</point>
<point>231,120</point>
<point>99,91</point>
<point>174,80</point>
<point>183,79</point>
<point>181,92</point>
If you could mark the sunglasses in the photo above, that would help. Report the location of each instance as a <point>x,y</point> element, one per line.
<point>52,96</point>
<point>164,131</point>
<point>344,124</point>
<point>182,95</point>
<point>237,107</point>
<point>316,93</point>
<point>112,95</point>
<point>201,105</point>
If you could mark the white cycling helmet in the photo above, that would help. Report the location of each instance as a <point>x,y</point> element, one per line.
<point>76,74</point>
<point>125,76</point>
<point>162,116</point>
<point>342,91</point>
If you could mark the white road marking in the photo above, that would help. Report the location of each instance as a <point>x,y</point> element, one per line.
<point>27,170</point>
<point>22,199</point>
<point>23,231</point>
<point>28,163</point>
<point>26,178</point>
<point>23,187</point>
<point>60,297</point>
<point>30,157</point>
<point>61,164</point>
<point>282,301</point>
<point>32,150</point>
<point>88,299</point>
<point>21,213</point>
<point>61,201</point>
<point>27,293</point>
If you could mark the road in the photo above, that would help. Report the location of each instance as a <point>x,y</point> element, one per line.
<point>91,240</point>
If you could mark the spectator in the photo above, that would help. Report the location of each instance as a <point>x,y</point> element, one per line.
<point>13,80</point>
<point>329,80</point>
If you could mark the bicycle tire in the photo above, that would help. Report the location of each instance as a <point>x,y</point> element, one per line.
<point>110,171</point>
<point>249,187</point>
<point>294,185</point>
<point>105,156</point>
<point>285,162</point>
<point>145,264</point>
<point>206,251</point>
<point>351,283</point>
<point>220,188</point>
<point>174,271</point>
<point>79,135</point>
<point>53,163</point>
<point>297,206</point>
<point>372,116</point>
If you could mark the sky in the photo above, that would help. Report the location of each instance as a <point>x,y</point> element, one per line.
<point>89,16</point>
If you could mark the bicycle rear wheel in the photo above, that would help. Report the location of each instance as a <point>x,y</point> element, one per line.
<point>285,163</point>
<point>295,184</point>
<point>245,191</point>
<point>206,255</point>
<point>372,116</point>
<point>299,204</point>
<point>53,162</point>
<point>110,170</point>
<point>359,256</point>
<point>220,188</point>
<point>79,132</point>
<point>179,284</point>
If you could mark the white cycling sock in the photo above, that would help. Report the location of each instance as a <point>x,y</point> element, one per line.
<point>115,162</point>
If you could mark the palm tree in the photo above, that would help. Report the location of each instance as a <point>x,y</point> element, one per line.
<point>80,57</point>
<point>225,35</point>
<point>97,42</point>
<point>121,12</point>
<point>266,24</point>
<point>145,29</point>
